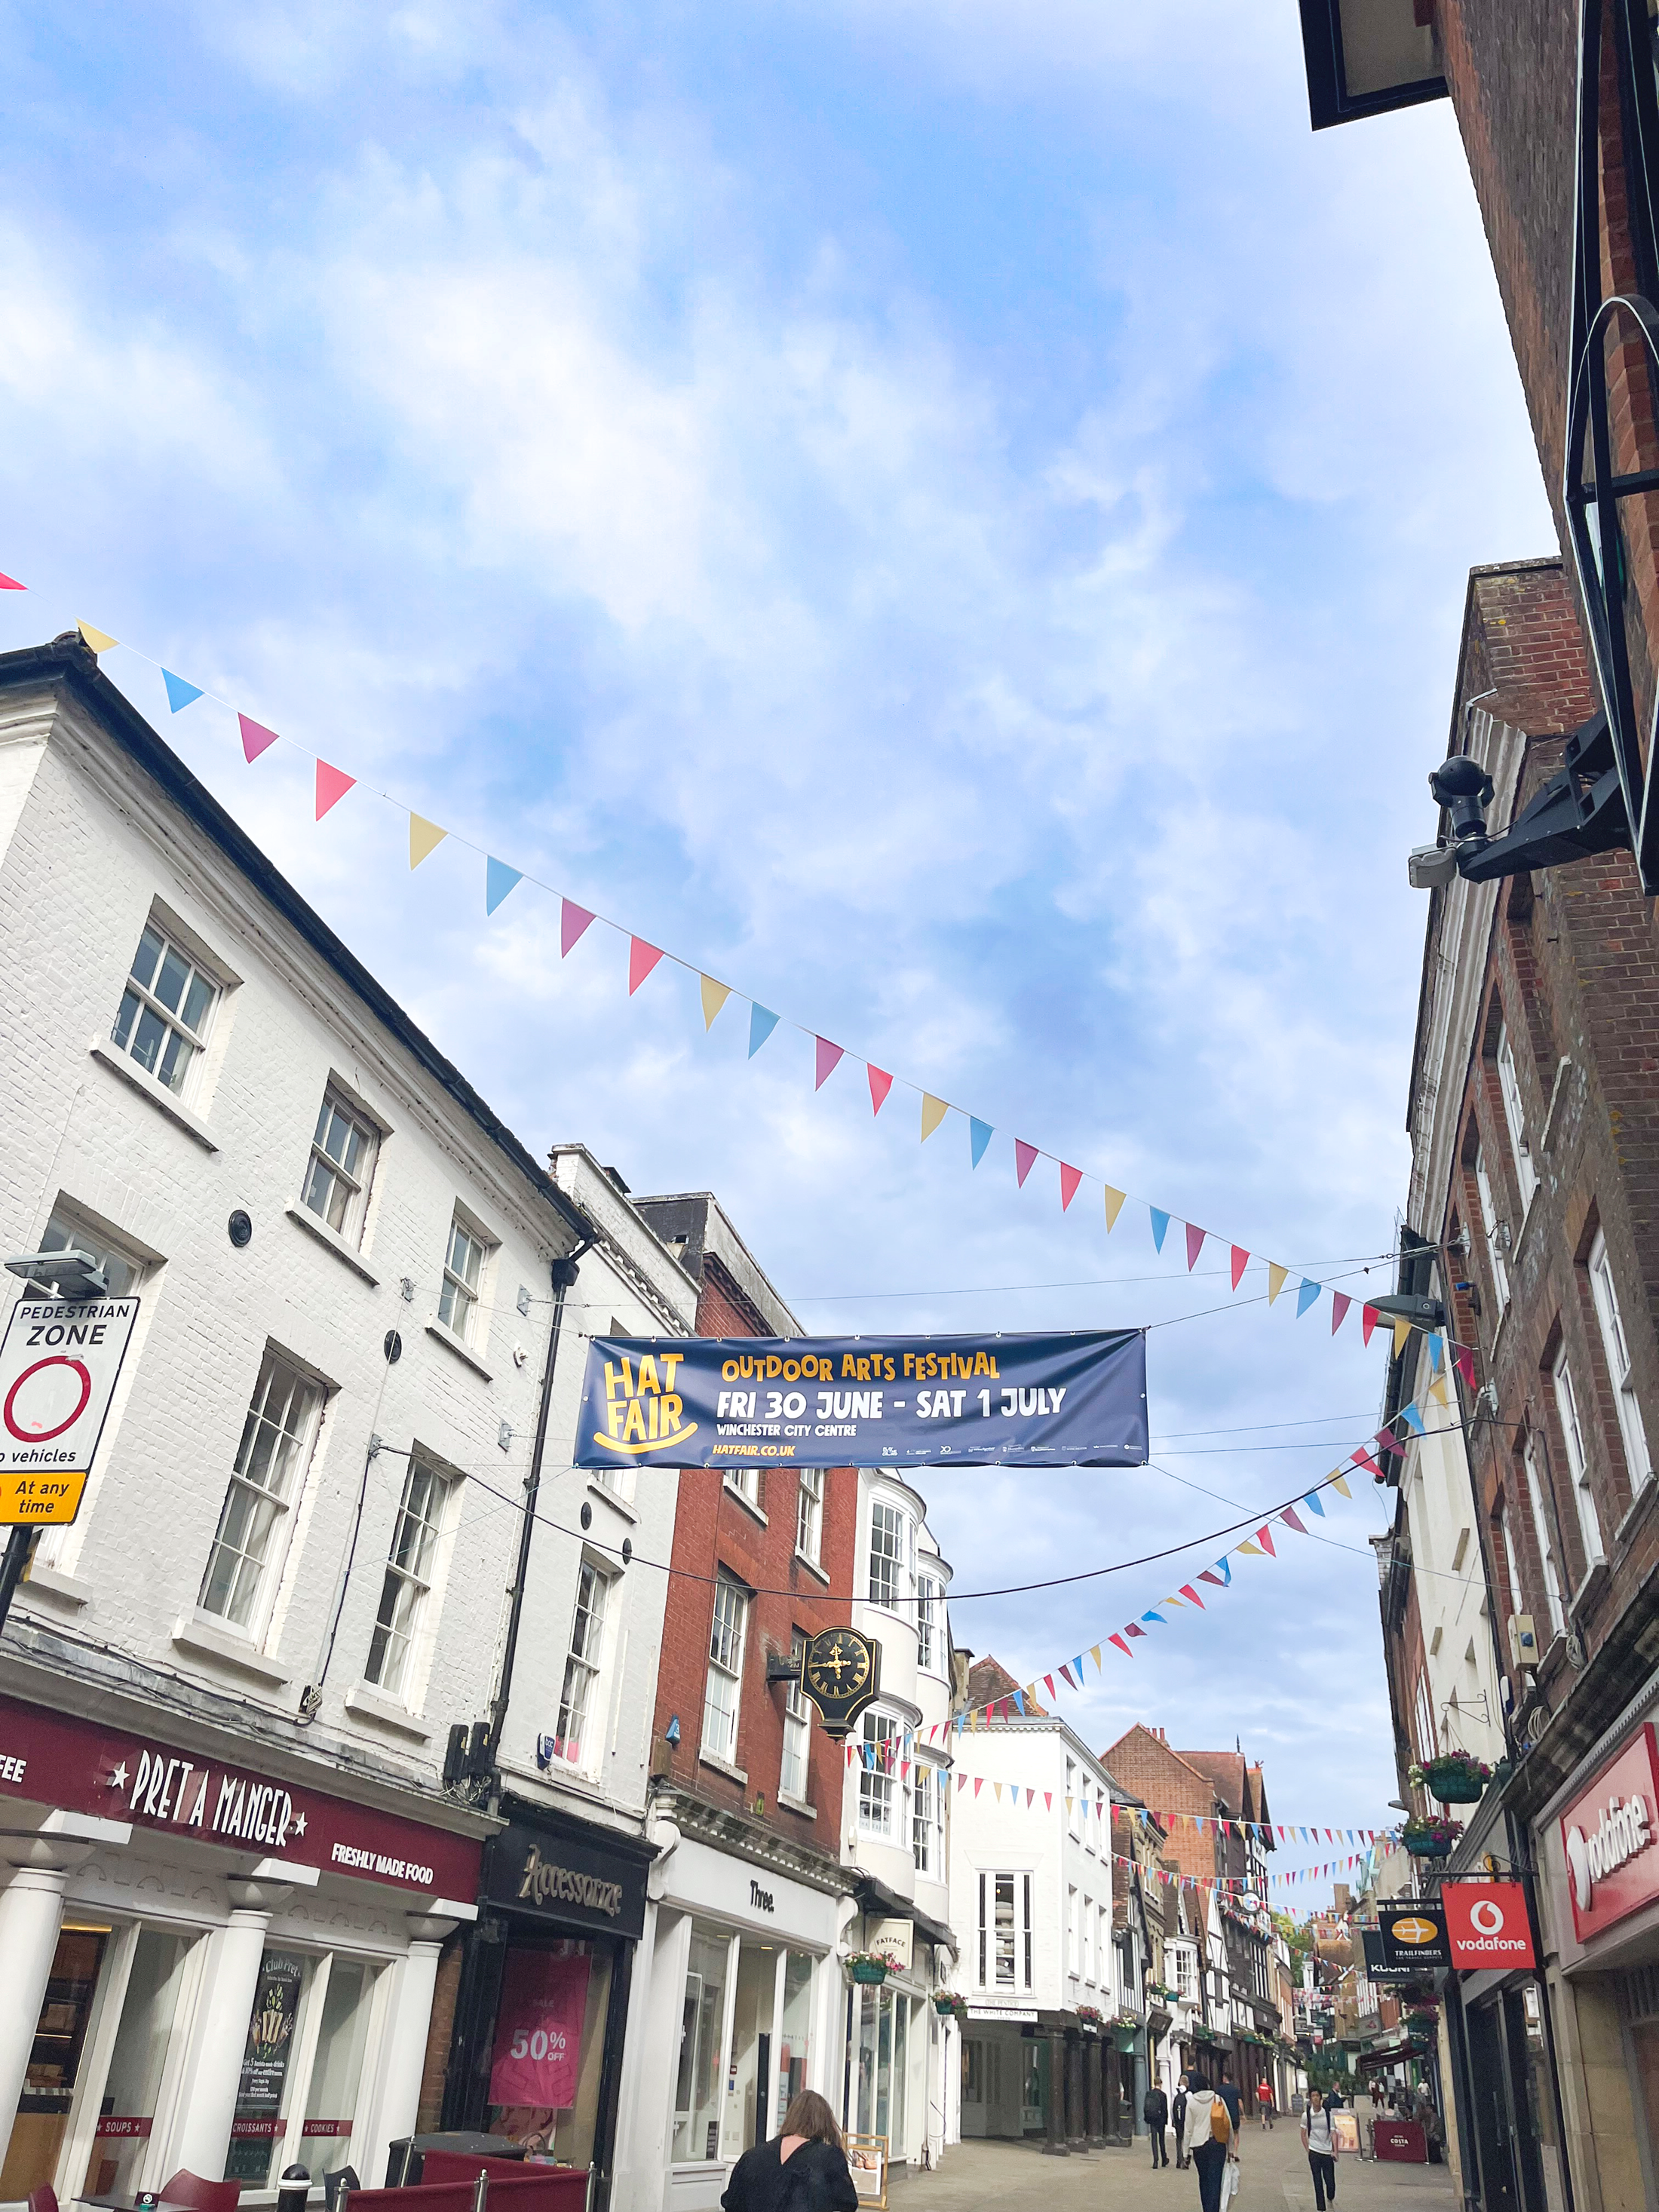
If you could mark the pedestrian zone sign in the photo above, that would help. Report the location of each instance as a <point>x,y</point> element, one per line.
<point>59,1360</point>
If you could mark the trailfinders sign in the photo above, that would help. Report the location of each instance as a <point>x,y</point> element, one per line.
<point>59,1360</point>
<point>1073,1399</point>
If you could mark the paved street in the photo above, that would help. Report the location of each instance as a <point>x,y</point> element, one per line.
<point>1275,2180</point>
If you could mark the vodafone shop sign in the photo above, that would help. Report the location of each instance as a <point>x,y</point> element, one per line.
<point>1487,1923</point>
<point>1610,1835</point>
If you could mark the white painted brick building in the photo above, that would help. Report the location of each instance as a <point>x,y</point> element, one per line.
<point>256,1588</point>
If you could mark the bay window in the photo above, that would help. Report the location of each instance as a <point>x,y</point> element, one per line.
<point>1004,1959</point>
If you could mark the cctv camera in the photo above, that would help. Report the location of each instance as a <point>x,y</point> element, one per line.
<point>1463,786</point>
<point>1429,866</point>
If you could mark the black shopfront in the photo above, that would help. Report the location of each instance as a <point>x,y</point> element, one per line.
<point>542,2009</point>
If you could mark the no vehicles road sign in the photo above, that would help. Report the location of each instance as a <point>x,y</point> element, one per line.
<point>59,1364</point>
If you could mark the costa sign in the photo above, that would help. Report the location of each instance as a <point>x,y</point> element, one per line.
<point>1487,1923</point>
<point>1610,1840</point>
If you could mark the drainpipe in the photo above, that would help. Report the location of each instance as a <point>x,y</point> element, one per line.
<point>563,1275</point>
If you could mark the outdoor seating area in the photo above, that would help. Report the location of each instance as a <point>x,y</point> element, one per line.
<point>450,2181</point>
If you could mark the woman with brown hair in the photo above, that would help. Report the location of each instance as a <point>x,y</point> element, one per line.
<point>803,2169</point>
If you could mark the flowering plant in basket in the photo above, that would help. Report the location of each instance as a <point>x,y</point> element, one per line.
<point>1455,1778</point>
<point>1434,1838</point>
<point>865,1967</point>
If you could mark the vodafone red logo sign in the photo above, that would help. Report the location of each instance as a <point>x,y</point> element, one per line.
<point>1608,1839</point>
<point>1487,1923</point>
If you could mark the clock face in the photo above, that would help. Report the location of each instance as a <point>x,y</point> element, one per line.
<point>838,1664</point>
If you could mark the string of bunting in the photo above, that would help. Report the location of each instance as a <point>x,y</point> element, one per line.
<point>333,783</point>
<point>1373,1457</point>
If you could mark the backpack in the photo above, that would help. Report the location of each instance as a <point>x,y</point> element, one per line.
<point>1221,2122</point>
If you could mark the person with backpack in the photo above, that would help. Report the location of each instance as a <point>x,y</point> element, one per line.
<point>1320,2143</point>
<point>1155,2110</point>
<point>1178,2117</point>
<point>1212,2139</point>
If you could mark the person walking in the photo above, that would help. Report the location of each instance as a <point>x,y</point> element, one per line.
<point>803,2169</point>
<point>1212,2139</point>
<point>1178,2117</point>
<point>1155,2110</point>
<point>1227,2090</point>
<point>1264,2102</point>
<point>1320,2144</point>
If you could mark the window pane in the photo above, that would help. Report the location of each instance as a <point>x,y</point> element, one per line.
<point>262,2101</point>
<point>336,2070</point>
<point>131,1003</point>
<point>152,1033</point>
<point>697,2083</point>
<point>170,985</point>
<point>197,999</point>
<point>148,952</point>
<point>134,2081</point>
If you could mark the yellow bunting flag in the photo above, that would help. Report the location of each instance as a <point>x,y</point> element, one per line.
<point>1255,1550</point>
<point>933,1111</point>
<point>714,996</point>
<point>1094,1654</point>
<point>1402,1330</point>
<point>424,838</point>
<point>1340,1482</point>
<point>1275,1280</point>
<point>1437,1389</point>
<point>1114,1207</point>
<point>997,1786</point>
<point>99,640</point>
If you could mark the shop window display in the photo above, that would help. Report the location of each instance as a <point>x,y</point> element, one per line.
<point>143,2037</point>
<point>54,2066</point>
<point>548,2055</point>
<point>297,2096</point>
<point>703,2020</point>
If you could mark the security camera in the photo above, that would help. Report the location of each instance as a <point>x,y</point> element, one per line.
<point>1429,866</point>
<point>1463,786</point>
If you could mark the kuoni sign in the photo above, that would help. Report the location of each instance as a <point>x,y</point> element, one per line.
<point>1486,1924</point>
<point>1077,1400</point>
<point>59,1361</point>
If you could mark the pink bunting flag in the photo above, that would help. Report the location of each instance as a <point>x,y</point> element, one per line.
<point>1288,1516</point>
<point>641,959</point>
<point>1265,1539</point>
<point>332,785</point>
<point>1069,1180</point>
<point>255,738</point>
<point>1340,1304</point>
<point>1133,1628</point>
<point>573,920</point>
<point>1025,1159</point>
<point>1363,1458</point>
<point>1463,1361</point>
<point>1241,1261</point>
<point>1187,1591</point>
<point>880,1084</point>
<point>962,1783</point>
<point>979,1783</point>
<point>1049,1680</point>
<point>1195,1245</point>
<point>11,584</point>
<point>1367,1323</point>
<point>1122,1646</point>
<point>1048,1801</point>
<point>829,1056</point>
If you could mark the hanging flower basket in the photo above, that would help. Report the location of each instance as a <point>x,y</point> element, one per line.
<point>1124,2029</point>
<point>949,2004</point>
<point>864,1966</point>
<point>1432,1839</point>
<point>1090,2017</point>
<point>1457,1779</point>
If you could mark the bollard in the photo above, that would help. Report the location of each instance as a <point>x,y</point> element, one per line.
<point>294,2189</point>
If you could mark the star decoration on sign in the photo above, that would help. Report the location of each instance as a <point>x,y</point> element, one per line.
<point>118,1779</point>
<point>299,1824</point>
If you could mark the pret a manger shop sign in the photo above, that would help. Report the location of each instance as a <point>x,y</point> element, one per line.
<point>1611,1839</point>
<point>59,1362</point>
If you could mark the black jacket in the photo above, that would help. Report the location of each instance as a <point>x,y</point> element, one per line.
<point>815,2179</point>
<point>1154,2109</point>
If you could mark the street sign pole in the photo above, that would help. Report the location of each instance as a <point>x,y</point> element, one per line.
<point>11,1569</point>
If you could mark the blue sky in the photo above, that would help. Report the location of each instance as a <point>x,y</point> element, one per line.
<point>953,517</point>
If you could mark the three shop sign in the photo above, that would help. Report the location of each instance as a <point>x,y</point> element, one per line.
<point>1487,1925</point>
<point>1609,1836</point>
<point>59,1362</point>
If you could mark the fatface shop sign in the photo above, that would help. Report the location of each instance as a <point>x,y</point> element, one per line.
<point>53,1759</point>
<point>1610,1835</point>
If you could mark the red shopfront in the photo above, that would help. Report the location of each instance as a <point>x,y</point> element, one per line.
<point>207,1965</point>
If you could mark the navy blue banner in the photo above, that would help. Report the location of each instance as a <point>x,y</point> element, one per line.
<point>1076,1400</point>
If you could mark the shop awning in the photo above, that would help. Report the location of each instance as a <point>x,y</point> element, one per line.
<point>874,1896</point>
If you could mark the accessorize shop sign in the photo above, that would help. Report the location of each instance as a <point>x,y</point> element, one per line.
<point>1610,1835</point>
<point>59,1759</point>
<point>1076,1400</point>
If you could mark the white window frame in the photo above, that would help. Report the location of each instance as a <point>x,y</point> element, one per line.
<point>66,1231</point>
<point>327,1175</point>
<point>927,1820</point>
<point>1553,1597</point>
<point>893,1523</point>
<point>580,1694</point>
<point>1638,1460</point>
<point>298,1424</point>
<point>1020,1930</point>
<point>881,1795</point>
<point>1508,1086</point>
<point>1423,1717</point>
<point>1074,1932</point>
<point>459,1298</point>
<point>929,1590</point>
<point>1490,1224</point>
<point>125,1028</point>
<point>745,1481</point>
<point>797,1730</point>
<point>417,1534</point>
<point>809,1515</point>
<point>1567,1407</point>
<point>728,1634</point>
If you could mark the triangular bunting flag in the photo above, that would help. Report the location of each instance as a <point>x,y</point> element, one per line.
<point>1195,1245</point>
<point>1402,1336</point>
<point>1209,1575</point>
<point>11,584</point>
<point>1255,1550</point>
<point>1264,1537</point>
<point>1340,1482</point>
<point>880,1084</point>
<point>1048,1801</point>
<point>1438,1391</point>
<point>1307,1296</point>
<point>933,1111</point>
<point>332,785</point>
<point>499,880</point>
<point>1340,1304</point>
<point>1192,1595</point>
<point>1363,1458</point>
<point>1050,1680</point>
<point>1241,1261</point>
<point>424,838</point>
<point>997,1786</point>
<point>1025,1159</point>
<point>714,996</point>
<point>1312,1501</point>
<point>979,1783</point>
<point>1122,1646</point>
<point>826,1061</point>
<point>1160,1225</point>
<point>1437,1350</point>
<point>573,920</point>
<point>1069,1180</point>
<point>762,1023</point>
<point>1065,1675</point>
<point>641,959</point>
<point>1288,1516</point>
<point>1094,1653</point>
<point>1133,1628</point>
<point>1367,1323</point>
<point>180,694</point>
<point>980,1134</point>
<point>1114,1206</point>
<point>255,738</point>
<point>1414,1420</point>
<point>1157,1617</point>
<point>99,640</point>
<point>1463,1361</point>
